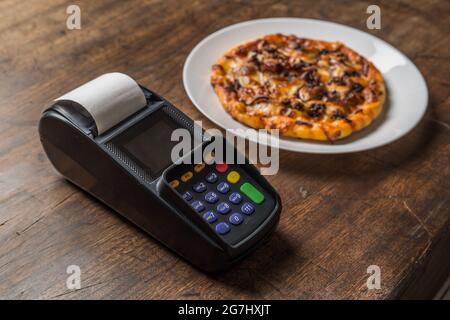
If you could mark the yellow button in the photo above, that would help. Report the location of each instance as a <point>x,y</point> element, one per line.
<point>199,167</point>
<point>188,175</point>
<point>233,177</point>
<point>174,183</point>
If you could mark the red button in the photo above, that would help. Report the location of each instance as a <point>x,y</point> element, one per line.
<point>221,167</point>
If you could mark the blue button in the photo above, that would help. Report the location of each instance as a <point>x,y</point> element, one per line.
<point>223,207</point>
<point>212,177</point>
<point>236,218</point>
<point>222,228</point>
<point>187,196</point>
<point>223,187</point>
<point>247,208</point>
<point>211,197</point>
<point>198,206</point>
<point>210,217</point>
<point>235,197</point>
<point>199,187</point>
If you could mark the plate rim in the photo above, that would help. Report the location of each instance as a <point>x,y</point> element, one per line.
<point>384,142</point>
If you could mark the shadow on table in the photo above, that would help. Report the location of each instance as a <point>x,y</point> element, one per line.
<point>272,260</point>
<point>415,145</point>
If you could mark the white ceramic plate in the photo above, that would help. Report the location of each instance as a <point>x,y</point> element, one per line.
<point>407,94</point>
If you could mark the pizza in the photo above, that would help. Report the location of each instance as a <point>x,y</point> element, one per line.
<point>308,89</point>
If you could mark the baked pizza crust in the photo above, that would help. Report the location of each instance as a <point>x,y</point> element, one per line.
<point>305,88</point>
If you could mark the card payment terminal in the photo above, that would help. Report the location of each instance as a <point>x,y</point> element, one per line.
<point>112,138</point>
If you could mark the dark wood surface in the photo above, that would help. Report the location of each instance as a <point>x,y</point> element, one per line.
<point>388,207</point>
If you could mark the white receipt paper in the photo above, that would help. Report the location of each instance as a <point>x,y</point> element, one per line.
<point>109,99</point>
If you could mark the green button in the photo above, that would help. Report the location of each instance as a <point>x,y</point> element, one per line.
<point>250,191</point>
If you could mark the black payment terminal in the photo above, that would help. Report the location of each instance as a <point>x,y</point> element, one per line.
<point>112,138</point>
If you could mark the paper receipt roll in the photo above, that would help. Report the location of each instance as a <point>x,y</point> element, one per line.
<point>109,99</point>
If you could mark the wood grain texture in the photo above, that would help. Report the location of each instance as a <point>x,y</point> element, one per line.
<point>389,207</point>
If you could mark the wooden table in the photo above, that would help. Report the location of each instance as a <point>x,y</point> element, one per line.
<point>388,207</point>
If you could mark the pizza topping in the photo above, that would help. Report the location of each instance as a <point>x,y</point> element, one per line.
<point>260,109</point>
<point>303,123</point>
<point>295,43</point>
<point>269,49</point>
<point>241,51</point>
<point>303,94</point>
<point>307,93</point>
<point>337,115</point>
<point>219,68</point>
<point>299,106</point>
<point>254,59</point>
<point>272,66</point>
<point>352,73</point>
<point>260,99</point>
<point>310,76</point>
<point>356,87</point>
<point>300,65</point>
<point>371,96</point>
<point>246,95</point>
<point>336,81</point>
<point>365,68</point>
<point>246,70</point>
<point>286,103</point>
<point>333,96</point>
<point>352,100</point>
<point>316,110</point>
<point>233,87</point>
<point>288,112</point>
<point>243,81</point>
<point>371,92</point>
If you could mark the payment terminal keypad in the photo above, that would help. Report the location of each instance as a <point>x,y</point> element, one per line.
<point>227,198</point>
